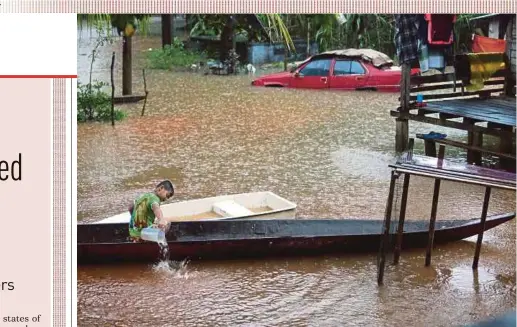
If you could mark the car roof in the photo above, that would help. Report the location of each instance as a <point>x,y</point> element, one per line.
<point>376,58</point>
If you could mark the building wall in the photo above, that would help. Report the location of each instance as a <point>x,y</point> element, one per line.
<point>261,53</point>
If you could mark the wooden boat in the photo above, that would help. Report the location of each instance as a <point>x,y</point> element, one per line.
<point>257,205</point>
<point>228,239</point>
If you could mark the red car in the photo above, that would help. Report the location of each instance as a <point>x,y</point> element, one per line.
<point>350,69</point>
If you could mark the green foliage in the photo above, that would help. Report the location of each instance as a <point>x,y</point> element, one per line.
<point>118,21</point>
<point>209,25</point>
<point>173,56</point>
<point>376,31</point>
<point>463,30</point>
<point>93,104</point>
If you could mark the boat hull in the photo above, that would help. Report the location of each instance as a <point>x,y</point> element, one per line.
<point>214,240</point>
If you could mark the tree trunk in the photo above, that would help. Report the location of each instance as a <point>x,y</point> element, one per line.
<point>226,39</point>
<point>286,57</point>
<point>166,30</point>
<point>308,39</point>
<point>127,78</point>
<point>187,34</point>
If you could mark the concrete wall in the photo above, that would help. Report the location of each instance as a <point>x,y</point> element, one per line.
<point>261,53</point>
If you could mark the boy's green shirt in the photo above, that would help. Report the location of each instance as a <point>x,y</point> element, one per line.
<point>143,215</point>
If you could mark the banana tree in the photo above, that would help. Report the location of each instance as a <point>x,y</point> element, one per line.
<point>126,26</point>
<point>277,30</point>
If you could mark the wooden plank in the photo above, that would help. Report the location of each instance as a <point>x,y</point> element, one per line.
<point>466,170</point>
<point>434,96</point>
<point>462,145</point>
<point>495,110</point>
<point>448,77</point>
<point>452,178</point>
<point>465,146</point>
<point>432,87</point>
<point>451,124</point>
<point>467,120</point>
<point>444,115</point>
<point>436,78</point>
<point>423,112</point>
<point>496,125</point>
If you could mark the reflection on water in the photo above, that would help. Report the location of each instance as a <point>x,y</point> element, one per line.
<point>326,151</point>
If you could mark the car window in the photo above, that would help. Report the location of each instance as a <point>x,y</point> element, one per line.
<point>316,68</point>
<point>342,67</point>
<point>356,68</point>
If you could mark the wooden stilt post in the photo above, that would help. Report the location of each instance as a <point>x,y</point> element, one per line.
<point>484,211</point>
<point>402,218</point>
<point>401,124</point>
<point>403,205</point>
<point>386,231</point>
<point>475,281</point>
<point>441,154</point>
<point>410,146</point>
<point>146,92</point>
<point>434,208</point>
<point>401,134</point>
<point>506,146</point>
<point>474,139</point>
<point>127,70</point>
<point>430,148</point>
<point>112,90</point>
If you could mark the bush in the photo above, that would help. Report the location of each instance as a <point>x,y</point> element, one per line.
<point>173,56</point>
<point>93,104</point>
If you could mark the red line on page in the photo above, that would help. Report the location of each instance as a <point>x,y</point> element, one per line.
<point>38,76</point>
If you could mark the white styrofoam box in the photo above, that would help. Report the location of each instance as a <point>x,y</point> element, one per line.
<point>230,208</point>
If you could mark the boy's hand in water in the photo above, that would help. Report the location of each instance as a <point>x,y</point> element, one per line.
<point>162,225</point>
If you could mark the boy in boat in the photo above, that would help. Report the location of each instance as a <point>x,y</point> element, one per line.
<point>146,212</point>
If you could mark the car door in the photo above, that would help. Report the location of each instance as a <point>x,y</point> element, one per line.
<point>348,74</point>
<point>313,75</point>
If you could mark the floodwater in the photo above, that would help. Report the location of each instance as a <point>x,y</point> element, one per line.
<point>326,151</point>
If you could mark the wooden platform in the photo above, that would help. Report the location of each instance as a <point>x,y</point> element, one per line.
<point>446,170</point>
<point>462,145</point>
<point>498,112</point>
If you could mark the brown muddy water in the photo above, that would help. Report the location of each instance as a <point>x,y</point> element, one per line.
<point>326,151</point>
